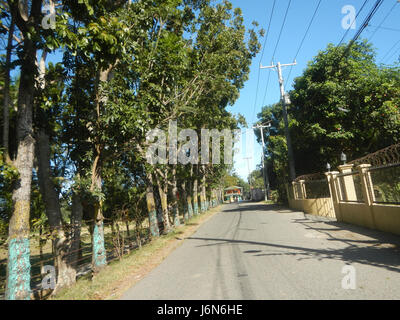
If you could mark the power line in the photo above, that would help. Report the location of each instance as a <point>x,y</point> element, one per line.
<point>308,29</point>
<point>265,173</point>
<point>347,31</point>
<point>384,19</point>
<point>390,50</point>
<point>276,46</point>
<point>365,23</point>
<point>262,55</point>
<point>374,9</point>
<point>372,12</point>
<point>302,41</point>
<point>283,25</point>
<point>266,87</point>
<point>269,28</point>
<point>394,53</point>
<point>285,100</point>
<point>385,28</point>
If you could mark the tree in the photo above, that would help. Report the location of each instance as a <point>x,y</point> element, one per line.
<point>344,102</point>
<point>18,268</point>
<point>127,68</point>
<point>256,179</point>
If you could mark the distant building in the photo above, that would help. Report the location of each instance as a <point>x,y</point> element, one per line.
<point>233,194</point>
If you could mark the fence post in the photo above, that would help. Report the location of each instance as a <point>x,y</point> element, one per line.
<point>367,189</point>
<point>299,190</point>
<point>295,195</point>
<point>334,191</point>
<point>347,182</point>
<point>303,189</point>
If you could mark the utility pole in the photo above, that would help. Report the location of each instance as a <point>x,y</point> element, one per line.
<point>248,168</point>
<point>265,173</point>
<point>285,100</point>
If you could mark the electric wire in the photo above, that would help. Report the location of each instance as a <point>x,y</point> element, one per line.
<point>387,53</point>
<point>280,32</point>
<point>373,11</point>
<point>276,47</point>
<point>384,19</point>
<point>302,41</point>
<point>347,31</point>
<point>262,55</point>
<point>385,28</point>
<point>266,87</point>
<point>394,53</point>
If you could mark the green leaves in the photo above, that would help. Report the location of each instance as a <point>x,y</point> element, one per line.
<point>341,102</point>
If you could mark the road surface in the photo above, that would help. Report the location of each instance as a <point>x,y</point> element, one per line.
<point>256,251</point>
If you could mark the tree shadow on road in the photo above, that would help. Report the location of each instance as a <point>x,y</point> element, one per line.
<point>252,206</point>
<point>364,246</point>
<point>387,257</point>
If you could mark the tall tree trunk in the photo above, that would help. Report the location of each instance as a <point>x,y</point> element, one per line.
<point>214,193</point>
<point>127,229</point>
<point>208,198</point>
<point>189,203</point>
<point>159,212</point>
<point>18,268</point>
<point>151,207</point>
<point>175,206</point>
<point>76,223</point>
<point>6,94</point>
<point>66,273</point>
<point>167,209</point>
<point>185,202</point>
<point>164,206</point>
<point>195,198</point>
<point>99,258</point>
<point>218,192</point>
<point>203,191</point>
<point>190,193</point>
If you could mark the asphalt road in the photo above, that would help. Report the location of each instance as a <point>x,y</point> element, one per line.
<point>254,251</point>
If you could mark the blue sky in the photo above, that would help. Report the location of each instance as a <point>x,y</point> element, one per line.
<point>326,28</point>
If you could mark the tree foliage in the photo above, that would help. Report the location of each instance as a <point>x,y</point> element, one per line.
<point>343,102</point>
<point>127,67</point>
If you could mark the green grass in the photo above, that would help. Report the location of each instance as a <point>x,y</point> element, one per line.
<point>119,275</point>
<point>47,257</point>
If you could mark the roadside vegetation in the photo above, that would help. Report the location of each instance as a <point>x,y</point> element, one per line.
<point>79,96</point>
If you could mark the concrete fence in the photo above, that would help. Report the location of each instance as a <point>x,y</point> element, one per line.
<point>360,195</point>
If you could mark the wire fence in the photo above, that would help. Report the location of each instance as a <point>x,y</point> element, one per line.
<point>316,189</point>
<point>386,156</point>
<point>120,238</point>
<point>122,235</point>
<point>384,184</point>
<point>311,177</point>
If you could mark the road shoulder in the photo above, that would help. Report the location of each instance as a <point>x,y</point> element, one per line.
<point>112,282</point>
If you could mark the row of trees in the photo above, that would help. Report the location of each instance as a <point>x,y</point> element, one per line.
<point>76,129</point>
<point>343,102</point>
